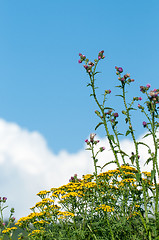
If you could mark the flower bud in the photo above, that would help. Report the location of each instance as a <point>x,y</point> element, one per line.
<point>144,124</point>
<point>102,149</point>
<point>92,135</point>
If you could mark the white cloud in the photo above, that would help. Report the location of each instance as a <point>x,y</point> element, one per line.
<point>27,165</point>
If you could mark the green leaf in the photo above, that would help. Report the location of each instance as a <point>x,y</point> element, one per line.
<point>119,96</point>
<point>146,135</point>
<point>138,176</point>
<point>131,109</point>
<point>152,175</point>
<point>111,137</point>
<point>120,134</point>
<point>127,132</point>
<point>143,221</point>
<point>124,153</point>
<point>148,160</point>
<point>132,158</point>
<point>143,144</point>
<point>109,108</point>
<point>98,125</point>
<point>96,73</point>
<point>108,164</point>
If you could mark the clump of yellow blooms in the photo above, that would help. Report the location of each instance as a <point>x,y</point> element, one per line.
<point>8,230</point>
<point>65,214</point>
<point>106,208</point>
<point>68,201</point>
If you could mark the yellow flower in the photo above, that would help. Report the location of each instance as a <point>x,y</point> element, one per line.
<point>106,208</point>
<point>8,230</point>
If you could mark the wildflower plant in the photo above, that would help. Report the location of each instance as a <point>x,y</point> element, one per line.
<point>6,230</point>
<point>115,204</point>
<point>152,124</point>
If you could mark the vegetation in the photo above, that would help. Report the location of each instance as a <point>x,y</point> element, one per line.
<point>115,204</point>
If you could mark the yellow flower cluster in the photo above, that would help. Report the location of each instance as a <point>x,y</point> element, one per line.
<point>106,208</point>
<point>148,174</point>
<point>41,222</point>
<point>65,214</point>
<point>28,218</point>
<point>71,194</point>
<point>36,232</point>
<point>129,168</point>
<point>8,230</point>
<point>44,201</point>
<point>41,193</point>
<point>80,197</point>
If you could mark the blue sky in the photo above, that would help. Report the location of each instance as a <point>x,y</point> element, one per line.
<point>43,88</point>
<point>46,112</point>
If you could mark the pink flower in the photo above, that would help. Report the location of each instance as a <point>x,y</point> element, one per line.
<point>120,69</point>
<point>144,124</point>
<point>116,115</point>
<point>86,140</point>
<point>148,85</point>
<point>80,54</point>
<point>99,57</point>
<point>85,66</point>
<point>140,98</point>
<point>79,61</point>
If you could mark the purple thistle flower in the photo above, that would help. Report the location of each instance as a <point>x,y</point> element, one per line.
<point>99,57</point>
<point>144,124</point>
<point>120,69</point>
<point>85,66</point>
<point>80,54</point>
<point>79,61</point>
<point>116,115</point>
<point>4,199</point>
<point>86,140</point>
<point>139,98</point>
<point>148,85</point>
